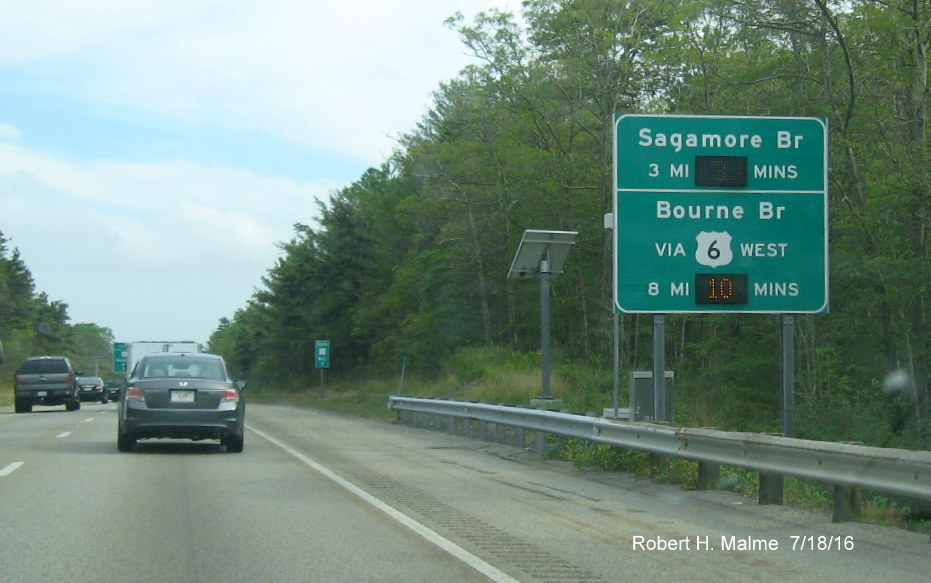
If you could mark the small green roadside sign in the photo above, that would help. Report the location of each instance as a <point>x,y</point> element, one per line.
<point>322,353</point>
<point>720,214</point>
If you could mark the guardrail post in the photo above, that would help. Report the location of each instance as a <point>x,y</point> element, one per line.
<point>846,504</point>
<point>519,434</point>
<point>709,474</point>
<point>501,432</point>
<point>656,464</point>
<point>540,443</point>
<point>771,486</point>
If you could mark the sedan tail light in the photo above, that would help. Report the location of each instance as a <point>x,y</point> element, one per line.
<point>230,396</point>
<point>135,394</point>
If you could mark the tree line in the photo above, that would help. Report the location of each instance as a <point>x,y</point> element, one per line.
<point>32,324</point>
<point>409,261</point>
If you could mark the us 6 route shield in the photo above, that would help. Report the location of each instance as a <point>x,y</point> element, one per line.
<point>720,214</point>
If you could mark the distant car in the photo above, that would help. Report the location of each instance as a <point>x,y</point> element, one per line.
<point>113,390</point>
<point>92,389</point>
<point>181,396</point>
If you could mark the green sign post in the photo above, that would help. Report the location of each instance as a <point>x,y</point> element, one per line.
<point>720,214</point>
<point>120,356</point>
<point>322,353</point>
<point>322,359</point>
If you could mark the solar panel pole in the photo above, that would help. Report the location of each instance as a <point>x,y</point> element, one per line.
<point>545,276</point>
<point>542,253</point>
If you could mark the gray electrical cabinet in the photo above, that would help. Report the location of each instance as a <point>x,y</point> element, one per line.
<point>641,395</point>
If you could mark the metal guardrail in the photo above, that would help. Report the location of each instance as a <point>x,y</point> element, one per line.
<point>893,471</point>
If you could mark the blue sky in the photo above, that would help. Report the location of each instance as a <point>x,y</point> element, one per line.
<point>154,153</point>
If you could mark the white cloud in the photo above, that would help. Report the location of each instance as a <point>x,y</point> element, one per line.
<point>127,187</point>
<point>161,248</point>
<point>345,75</point>
<point>193,237</point>
<point>9,132</point>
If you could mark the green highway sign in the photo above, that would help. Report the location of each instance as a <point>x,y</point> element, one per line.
<point>120,356</point>
<point>720,214</point>
<point>322,353</point>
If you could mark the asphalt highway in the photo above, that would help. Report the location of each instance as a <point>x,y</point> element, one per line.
<point>331,498</point>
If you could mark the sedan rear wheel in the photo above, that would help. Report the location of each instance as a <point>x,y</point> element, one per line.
<point>125,442</point>
<point>233,443</point>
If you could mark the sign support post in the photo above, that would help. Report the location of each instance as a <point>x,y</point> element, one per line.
<point>659,369</point>
<point>787,426</point>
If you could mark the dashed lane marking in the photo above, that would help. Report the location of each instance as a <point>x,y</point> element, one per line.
<point>10,468</point>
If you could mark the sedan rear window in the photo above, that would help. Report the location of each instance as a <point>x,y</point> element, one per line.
<point>197,368</point>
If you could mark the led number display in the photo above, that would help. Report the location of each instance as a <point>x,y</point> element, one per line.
<point>721,288</point>
<point>721,171</point>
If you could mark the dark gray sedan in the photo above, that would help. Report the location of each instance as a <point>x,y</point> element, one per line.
<point>181,396</point>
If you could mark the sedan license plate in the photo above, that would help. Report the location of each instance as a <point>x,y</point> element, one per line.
<point>42,393</point>
<point>182,396</point>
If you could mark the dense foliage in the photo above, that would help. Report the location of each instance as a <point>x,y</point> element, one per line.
<point>410,261</point>
<point>31,324</point>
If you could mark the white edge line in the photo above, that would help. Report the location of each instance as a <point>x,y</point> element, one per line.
<point>432,536</point>
<point>10,468</point>
<point>64,434</point>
